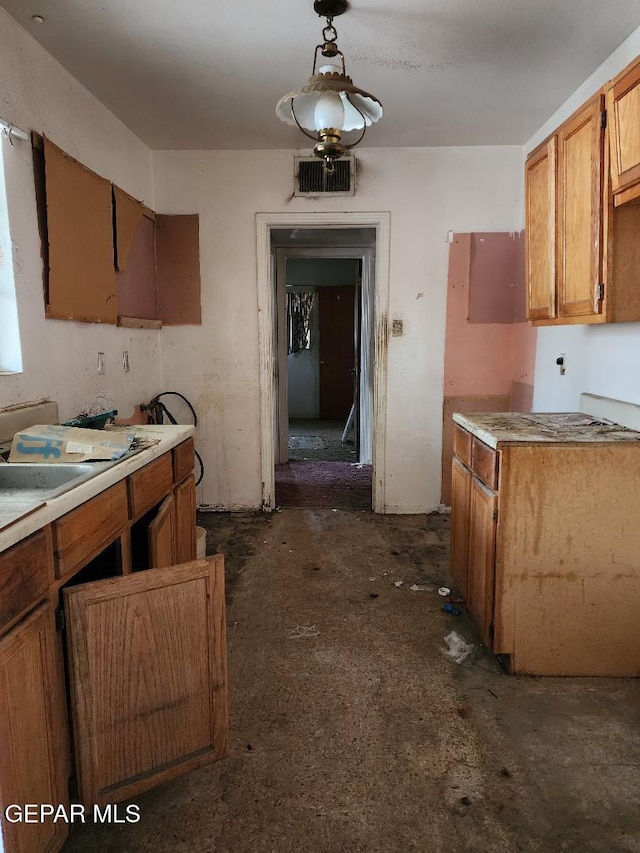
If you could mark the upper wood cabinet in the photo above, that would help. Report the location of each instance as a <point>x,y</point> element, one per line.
<point>623,109</point>
<point>540,239</point>
<point>582,253</point>
<point>579,221</point>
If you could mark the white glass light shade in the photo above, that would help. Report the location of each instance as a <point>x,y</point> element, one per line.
<point>328,112</point>
<point>312,103</point>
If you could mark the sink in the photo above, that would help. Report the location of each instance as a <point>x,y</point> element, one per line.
<point>26,480</point>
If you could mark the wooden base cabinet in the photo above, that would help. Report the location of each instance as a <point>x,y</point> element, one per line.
<point>482,556</point>
<point>34,749</point>
<point>147,666</point>
<point>144,682</point>
<point>552,570</point>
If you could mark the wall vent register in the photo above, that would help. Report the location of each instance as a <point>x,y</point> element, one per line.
<point>311,179</point>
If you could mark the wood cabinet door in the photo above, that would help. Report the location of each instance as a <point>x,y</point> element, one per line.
<point>623,115</point>
<point>147,671</point>
<point>482,556</point>
<point>162,535</point>
<point>540,233</point>
<point>579,228</point>
<point>185,497</point>
<point>34,753</point>
<point>460,497</point>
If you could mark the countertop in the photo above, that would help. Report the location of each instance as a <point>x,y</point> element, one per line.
<point>40,515</point>
<point>494,428</point>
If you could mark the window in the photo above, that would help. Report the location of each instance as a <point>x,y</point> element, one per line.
<point>10,351</point>
<point>299,307</point>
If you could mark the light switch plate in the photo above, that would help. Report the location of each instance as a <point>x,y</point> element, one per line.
<point>397,328</point>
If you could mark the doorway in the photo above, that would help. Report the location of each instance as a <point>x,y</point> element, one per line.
<point>364,239</point>
<point>319,461</point>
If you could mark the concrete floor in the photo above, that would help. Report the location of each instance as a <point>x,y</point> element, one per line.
<point>361,736</point>
<point>314,440</point>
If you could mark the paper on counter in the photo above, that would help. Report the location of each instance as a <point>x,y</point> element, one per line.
<point>50,443</point>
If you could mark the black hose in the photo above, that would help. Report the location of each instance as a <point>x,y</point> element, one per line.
<point>159,410</point>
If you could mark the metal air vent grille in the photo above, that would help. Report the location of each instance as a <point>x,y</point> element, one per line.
<point>311,178</point>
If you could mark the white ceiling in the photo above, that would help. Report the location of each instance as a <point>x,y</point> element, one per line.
<point>201,74</point>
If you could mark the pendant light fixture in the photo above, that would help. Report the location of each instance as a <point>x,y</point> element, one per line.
<point>329,105</point>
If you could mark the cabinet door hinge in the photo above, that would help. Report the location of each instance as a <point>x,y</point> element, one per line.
<point>599,292</point>
<point>495,515</point>
<point>61,622</point>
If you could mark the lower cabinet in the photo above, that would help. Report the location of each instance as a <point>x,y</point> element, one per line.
<point>185,496</point>
<point>113,663</point>
<point>161,534</point>
<point>544,547</point>
<point>473,544</point>
<point>34,749</point>
<point>482,556</point>
<point>460,508</point>
<point>147,677</point>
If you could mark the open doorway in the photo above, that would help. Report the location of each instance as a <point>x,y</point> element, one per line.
<point>320,356</point>
<point>324,289</point>
<point>358,413</point>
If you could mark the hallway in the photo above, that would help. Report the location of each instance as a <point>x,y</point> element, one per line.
<point>351,731</point>
<point>322,471</point>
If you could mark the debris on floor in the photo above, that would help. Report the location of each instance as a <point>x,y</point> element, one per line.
<point>458,650</point>
<point>302,631</point>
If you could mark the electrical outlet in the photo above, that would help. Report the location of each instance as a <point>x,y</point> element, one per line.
<point>101,368</point>
<point>125,361</point>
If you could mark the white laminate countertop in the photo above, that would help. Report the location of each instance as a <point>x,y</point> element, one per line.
<point>20,527</point>
<point>494,428</point>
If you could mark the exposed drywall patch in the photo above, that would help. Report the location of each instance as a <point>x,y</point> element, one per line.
<point>127,213</point>
<point>82,281</point>
<point>178,269</point>
<point>496,278</point>
<point>137,296</point>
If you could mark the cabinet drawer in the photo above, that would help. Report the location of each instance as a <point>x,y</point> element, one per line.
<point>26,571</point>
<point>462,444</point>
<point>82,533</point>
<point>150,485</point>
<point>484,462</point>
<point>182,460</point>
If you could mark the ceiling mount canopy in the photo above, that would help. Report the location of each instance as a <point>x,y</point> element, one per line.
<point>329,105</point>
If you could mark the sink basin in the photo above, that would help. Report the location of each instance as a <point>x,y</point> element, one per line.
<point>25,480</point>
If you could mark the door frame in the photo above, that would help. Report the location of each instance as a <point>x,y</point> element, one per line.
<point>267,331</point>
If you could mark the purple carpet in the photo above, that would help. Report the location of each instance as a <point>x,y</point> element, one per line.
<point>339,485</point>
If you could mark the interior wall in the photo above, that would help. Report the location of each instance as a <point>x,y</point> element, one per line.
<point>428,191</point>
<point>60,357</point>
<point>488,365</point>
<point>602,360</point>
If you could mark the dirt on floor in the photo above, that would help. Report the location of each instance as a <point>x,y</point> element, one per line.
<point>352,731</point>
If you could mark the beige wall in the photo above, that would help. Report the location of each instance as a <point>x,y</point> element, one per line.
<point>428,193</point>
<point>59,358</point>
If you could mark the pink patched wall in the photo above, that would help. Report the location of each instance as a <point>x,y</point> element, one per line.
<point>489,347</point>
